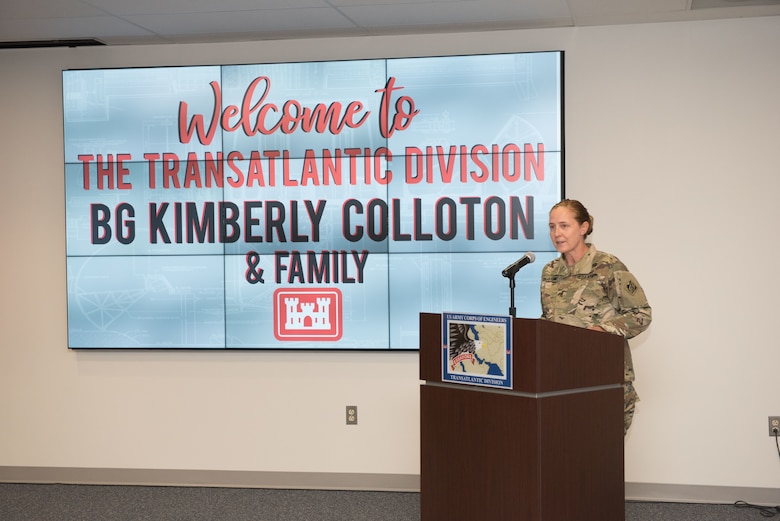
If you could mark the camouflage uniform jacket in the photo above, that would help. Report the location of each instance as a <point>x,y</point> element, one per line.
<point>597,291</point>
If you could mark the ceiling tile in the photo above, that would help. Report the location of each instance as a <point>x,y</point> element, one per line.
<point>31,9</point>
<point>439,13</point>
<point>66,28</point>
<point>243,21</point>
<point>138,7</point>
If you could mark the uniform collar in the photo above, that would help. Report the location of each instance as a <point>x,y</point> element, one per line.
<point>583,265</point>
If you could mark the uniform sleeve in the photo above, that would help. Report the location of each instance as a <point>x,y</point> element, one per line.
<point>632,311</point>
<point>544,292</point>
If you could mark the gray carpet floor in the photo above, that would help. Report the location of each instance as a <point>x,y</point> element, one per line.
<point>32,502</point>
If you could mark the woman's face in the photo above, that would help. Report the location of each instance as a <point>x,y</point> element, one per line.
<point>568,236</point>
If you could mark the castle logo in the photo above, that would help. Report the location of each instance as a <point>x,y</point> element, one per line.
<point>308,314</point>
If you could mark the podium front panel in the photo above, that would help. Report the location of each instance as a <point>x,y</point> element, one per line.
<point>503,456</point>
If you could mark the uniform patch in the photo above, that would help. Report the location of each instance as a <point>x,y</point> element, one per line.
<point>631,287</point>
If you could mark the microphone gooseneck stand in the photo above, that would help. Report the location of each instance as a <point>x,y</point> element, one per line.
<point>512,295</point>
<point>510,272</point>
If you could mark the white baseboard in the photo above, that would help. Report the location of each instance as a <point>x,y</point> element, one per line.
<point>657,492</point>
<point>676,493</point>
<point>212,478</point>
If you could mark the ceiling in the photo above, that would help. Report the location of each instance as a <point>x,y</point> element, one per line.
<point>30,23</point>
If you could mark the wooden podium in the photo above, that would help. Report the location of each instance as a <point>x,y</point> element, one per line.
<point>549,449</point>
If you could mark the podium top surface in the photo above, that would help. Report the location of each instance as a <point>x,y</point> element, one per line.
<point>546,356</point>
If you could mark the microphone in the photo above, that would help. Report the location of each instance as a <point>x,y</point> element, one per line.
<point>513,268</point>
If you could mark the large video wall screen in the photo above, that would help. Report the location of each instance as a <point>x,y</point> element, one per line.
<point>305,205</point>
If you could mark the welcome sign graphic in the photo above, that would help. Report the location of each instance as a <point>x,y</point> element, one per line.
<point>303,205</point>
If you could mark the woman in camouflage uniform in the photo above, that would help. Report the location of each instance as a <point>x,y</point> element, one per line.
<point>588,288</point>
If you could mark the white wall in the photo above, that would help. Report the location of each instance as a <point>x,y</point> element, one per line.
<point>671,141</point>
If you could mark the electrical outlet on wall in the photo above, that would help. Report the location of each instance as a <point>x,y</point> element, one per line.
<point>351,414</point>
<point>774,425</point>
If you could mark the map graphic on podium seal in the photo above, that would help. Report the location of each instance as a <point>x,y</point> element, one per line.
<point>477,349</point>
